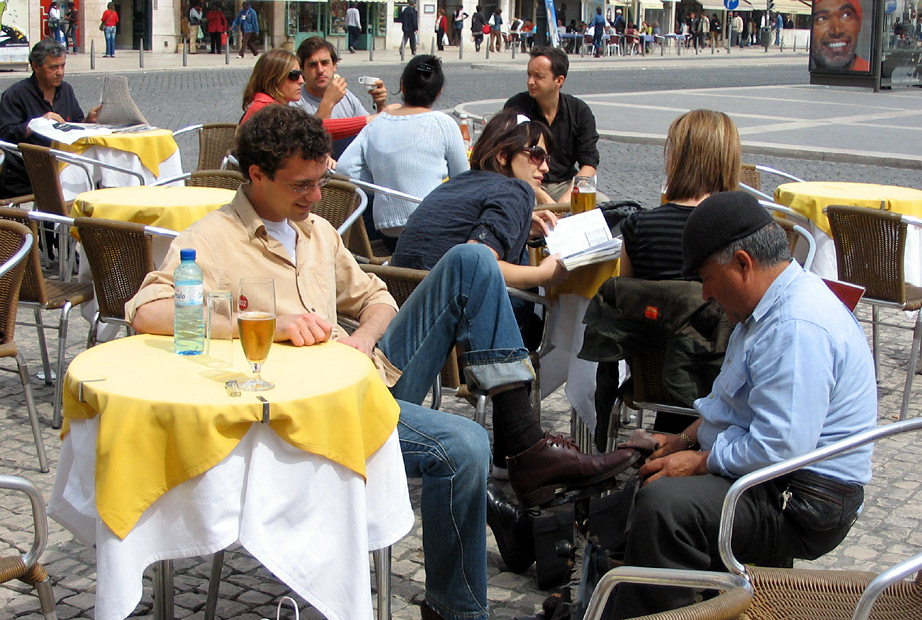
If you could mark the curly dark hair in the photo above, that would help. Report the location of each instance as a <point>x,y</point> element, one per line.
<point>504,136</point>
<point>276,133</point>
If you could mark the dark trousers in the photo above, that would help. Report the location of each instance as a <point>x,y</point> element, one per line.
<point>412,39</point>
<point>353,37</point>
<point>675,522</point>
<point>478,39</point>
<point>438,39</point>
<point>215,42</point>
<point>246,41</point>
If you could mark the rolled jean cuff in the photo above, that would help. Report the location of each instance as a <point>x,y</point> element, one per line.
<point>491,368</point>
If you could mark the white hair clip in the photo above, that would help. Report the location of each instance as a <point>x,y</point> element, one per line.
<point>521,118</point>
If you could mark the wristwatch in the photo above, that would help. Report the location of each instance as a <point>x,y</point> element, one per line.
<point>690,444</point>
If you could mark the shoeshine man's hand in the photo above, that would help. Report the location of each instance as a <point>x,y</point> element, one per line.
<point>684,463</point>
<point>302,329</point>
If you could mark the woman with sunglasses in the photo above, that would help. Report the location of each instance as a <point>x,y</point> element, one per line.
<point>276,79</point>
<point>493,204</point>
<point>410,147</point>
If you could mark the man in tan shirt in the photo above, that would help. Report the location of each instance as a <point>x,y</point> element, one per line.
<point>269,230</point>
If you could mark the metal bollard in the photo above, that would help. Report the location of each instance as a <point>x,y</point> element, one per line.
<point>141,52</point>
<point>227,52</point>
<point>488,52</point>
<point>401,52</point>
<point>338,40</point>
<point>93,55</point>
<point>185,54</point>
<point>515,44</point>
<point>432,47</point>
<point>461,48</point>
<point>371,50</point>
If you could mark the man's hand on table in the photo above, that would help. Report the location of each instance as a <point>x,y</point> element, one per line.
<point>302,330</point>
<point>684,463</point>
<point>357,341</point>
<point>54,116</point>
<point>93,114</point>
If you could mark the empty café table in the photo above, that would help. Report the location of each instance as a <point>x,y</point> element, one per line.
<point>160,462</point>
<point>810,198</point>
<point>175,208</point>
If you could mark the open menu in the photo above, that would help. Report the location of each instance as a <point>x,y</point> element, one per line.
<point>583,239</point>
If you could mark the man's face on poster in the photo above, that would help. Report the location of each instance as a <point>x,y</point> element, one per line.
<point>836,24</point>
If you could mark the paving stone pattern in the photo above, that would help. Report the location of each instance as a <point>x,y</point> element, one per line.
<point>887,532</point>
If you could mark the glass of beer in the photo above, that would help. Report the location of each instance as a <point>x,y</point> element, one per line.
<point>582,197</point>
<point>256,324</point>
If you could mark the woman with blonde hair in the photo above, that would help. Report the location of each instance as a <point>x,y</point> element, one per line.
<point>702,154</point>
<point>277,79</point>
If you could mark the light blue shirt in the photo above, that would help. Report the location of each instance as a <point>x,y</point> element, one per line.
<point>797,375</point>
<point>412,154</point>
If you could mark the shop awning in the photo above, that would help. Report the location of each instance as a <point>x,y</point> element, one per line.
<point>791,6</point>
<point>651,4</point>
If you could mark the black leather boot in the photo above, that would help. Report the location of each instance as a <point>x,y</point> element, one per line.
<point>513,529</point>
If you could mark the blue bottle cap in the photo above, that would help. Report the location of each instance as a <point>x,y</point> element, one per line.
<point>187,254</point>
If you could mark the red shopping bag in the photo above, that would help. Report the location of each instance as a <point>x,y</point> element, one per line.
<point>223,38</point>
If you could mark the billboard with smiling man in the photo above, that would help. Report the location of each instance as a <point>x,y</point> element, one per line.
<point>841,36</point>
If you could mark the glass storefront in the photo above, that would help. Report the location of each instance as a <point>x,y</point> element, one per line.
<point>307,18</point>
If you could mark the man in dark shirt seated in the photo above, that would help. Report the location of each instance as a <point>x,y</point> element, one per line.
<point>42,94</point>
<point>570,119</point>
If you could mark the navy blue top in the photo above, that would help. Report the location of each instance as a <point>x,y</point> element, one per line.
<point>484,206</point>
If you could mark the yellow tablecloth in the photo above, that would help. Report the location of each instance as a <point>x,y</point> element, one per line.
<point>166,418</point>
<point>175,208</point>
<point>811,198</point>
<point>585,281</point>
<point>151,147</point>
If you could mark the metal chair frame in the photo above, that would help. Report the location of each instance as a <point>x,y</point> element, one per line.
<point>741,580</point>
<point>26,567</point>
<point>211,136</point>
<point>15,264</point>
<point>224,179</point>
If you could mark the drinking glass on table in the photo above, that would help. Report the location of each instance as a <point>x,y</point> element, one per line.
<point>256,324</point>
<point>582,197</point>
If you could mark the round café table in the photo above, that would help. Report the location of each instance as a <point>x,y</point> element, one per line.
<point>160,461</point>
<point>175,208</point>
<point>810,198</point>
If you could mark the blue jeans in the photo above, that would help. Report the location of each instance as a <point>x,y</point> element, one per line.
<point>110,40</point>
<point>463,299</point>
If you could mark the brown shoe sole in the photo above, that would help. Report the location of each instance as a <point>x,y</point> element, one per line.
<point>543,495</point>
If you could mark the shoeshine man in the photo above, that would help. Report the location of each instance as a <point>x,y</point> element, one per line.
<point>268,230</point>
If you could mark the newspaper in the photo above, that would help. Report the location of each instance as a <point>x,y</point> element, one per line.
<point>118,108</point>
<point>583,239</point>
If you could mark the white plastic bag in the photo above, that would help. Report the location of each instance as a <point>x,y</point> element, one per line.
<point>278,610</point>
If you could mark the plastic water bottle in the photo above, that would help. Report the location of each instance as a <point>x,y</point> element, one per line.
<point>188,306</point>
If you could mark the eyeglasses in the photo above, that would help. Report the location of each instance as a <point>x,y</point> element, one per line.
<point>294,75</point>
<point>306,188</point>
<point>537,155</point>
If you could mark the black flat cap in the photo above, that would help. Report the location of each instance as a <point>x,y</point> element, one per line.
<point>718,221</point>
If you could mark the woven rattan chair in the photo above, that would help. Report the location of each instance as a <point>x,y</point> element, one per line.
<point>120,255</point>
<point>215,140</point>
<point>26,567</point>
<point>16,243</point>
<point>41,294</point>
<point>222,179</point>
<point>870,250</point>
<point>781,593</point>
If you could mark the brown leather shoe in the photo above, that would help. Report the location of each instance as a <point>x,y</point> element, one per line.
<point>555,462</point>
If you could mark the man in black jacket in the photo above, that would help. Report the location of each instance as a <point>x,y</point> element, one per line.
<point>410,21</point>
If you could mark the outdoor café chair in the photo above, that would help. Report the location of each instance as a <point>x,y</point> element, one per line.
<point>215,140</point>
<point>760,593</point>
<point>870,252</point>
<point>41,294</point>
<point>16,242</point>
<point>26,567</point>
<point>222,179</point>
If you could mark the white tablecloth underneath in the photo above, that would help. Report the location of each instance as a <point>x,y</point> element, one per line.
<point>826,265</point>
<point>308,520</point>
<point>74,181</point>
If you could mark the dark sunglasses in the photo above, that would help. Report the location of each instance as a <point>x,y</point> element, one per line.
<point>294,75</point>
<point>536,155</point>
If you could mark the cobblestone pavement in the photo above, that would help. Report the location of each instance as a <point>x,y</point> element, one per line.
<point>887,532</point>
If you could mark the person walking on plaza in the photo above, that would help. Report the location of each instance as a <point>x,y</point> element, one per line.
<point>457,24</point>
<point>409,22</point>
<point>441,30</point>
<point>109,21</point>
<point>54,23</point>
<point>195,22</point>
<point>353,25</point>
<point>778,28</point>
<point>598,29</point>
<point>217,28</point>
<point>477,23</point>
<point>73,15</point>
<point>249,28</point>
<point>496,30</point>
<point>715,32</point>
<point>738,28</point>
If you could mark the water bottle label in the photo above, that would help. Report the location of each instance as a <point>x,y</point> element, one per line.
<point>189,295</point>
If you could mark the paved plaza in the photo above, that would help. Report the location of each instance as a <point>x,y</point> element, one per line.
<point>781,128</point>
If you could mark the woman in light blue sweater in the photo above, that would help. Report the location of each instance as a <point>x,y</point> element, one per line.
<point>409,148</point>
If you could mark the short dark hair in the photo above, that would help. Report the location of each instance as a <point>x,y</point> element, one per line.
<point>422,81</point>
<point>504,136</point>
<point>560,64</point>
<point>276,133</point>
<point>45,48</point>
<point>312,45</point>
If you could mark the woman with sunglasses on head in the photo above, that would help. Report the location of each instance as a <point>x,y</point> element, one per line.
<point>410,147</point>
<point>276,79</point>
<point>493,204</point>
